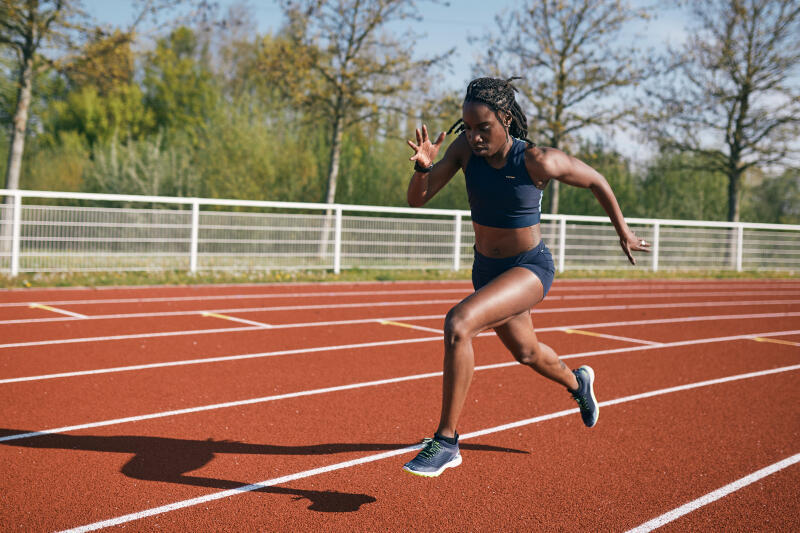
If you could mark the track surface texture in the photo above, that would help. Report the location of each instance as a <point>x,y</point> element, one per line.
<point>293,408</point>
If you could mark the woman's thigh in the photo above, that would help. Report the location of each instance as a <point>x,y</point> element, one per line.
<point>509,294</point>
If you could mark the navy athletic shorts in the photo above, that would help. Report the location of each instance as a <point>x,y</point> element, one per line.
<point>538,260</point>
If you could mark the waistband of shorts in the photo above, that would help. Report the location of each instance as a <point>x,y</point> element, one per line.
<point>533,252</point>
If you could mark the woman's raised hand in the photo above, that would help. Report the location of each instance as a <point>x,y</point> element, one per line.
<point>631,243</point>
<point>424,150</point>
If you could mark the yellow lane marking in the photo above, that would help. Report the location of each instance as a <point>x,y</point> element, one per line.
<point>581,332</point>
<point>613,337</point>
<point>235,319</point>
<point>409,326</point>
<point>776,341</point>
<point>56,310</point>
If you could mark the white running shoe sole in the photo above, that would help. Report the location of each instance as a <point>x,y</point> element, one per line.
<point>591,391</point>
<point>454,462</point>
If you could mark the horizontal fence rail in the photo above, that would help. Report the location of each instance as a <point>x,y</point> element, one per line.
<point>43,231</point>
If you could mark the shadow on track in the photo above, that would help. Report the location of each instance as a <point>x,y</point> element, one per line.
<point>168,460</point>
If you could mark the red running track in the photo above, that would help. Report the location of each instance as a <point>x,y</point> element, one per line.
<point>167,427</point>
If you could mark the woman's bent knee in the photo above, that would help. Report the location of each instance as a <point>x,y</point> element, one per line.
<point>457,327</point>
<point>526,357</point>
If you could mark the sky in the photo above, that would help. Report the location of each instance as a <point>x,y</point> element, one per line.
<point>442,26</point>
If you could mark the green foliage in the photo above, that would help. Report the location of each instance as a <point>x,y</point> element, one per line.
<point>246,151</point>
<point>145,166</point>
<point>97,117</point>
<point>677,186</point>
<point>179,89</point>
<point>616,169</point>
<point>56,166</point>
<point>775,200</point>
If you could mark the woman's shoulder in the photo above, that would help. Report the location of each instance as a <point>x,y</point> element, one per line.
<point>544,163</point>
<point>543,156</point>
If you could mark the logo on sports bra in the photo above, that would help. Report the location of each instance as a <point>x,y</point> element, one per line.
<point>510,177</point>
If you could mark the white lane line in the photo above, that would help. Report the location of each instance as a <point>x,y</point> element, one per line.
<point>607,336</point>
<point>353,385</point>
<point>536,312</point>
<point>236,319</point>
<point>219,359</point>
<point>56,310</point>
<point>721,492</point>
<point>384,455</point>
<point>246,296</point>
<point>242,310</point>
<point>466,290</point>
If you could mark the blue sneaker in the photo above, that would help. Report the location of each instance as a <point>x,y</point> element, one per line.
<point>434,457</point>
<point>584,395</point>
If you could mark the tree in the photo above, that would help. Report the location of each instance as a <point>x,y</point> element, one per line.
<point>26,27</point>
<point>357,68</point>
<point>46,34</point>
<point>731,96</point>
<point>569,56</point>
<point>179,88</point>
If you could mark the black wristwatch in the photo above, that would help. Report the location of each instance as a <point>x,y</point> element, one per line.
<point>422,169</point>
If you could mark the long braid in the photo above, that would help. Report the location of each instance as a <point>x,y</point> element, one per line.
<point>498,95</point>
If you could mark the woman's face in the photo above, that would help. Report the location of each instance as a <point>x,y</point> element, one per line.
<point>486,135</point>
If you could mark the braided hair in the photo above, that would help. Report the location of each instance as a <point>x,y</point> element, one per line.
<point>498,95</point>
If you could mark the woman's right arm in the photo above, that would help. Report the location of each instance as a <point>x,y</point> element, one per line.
<point>424,185</point>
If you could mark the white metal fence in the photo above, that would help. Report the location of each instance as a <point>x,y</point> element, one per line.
<point>68,232</point>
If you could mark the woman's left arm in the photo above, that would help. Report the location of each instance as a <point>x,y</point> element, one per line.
<point>549,163</point>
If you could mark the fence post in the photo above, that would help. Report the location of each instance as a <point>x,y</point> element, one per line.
<point>562,242</point>
<point>654,249</point>
<point>739,246</point>
<point>337,242</point>
<point>195,236</point>
<point>457,243</point>
<point>16,231</point>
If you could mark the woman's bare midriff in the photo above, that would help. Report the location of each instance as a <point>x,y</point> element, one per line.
<point>505,242</point>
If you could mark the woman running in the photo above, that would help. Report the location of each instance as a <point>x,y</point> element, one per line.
<point>505,174</point>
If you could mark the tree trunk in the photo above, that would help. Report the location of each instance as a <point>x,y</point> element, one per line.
<point>17,147</point>
<point>554,142</point>
<point>734,185</point>
<point>333,175</point>
<point>554,197</point>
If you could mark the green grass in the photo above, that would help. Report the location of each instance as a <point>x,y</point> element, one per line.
<point>169,277</point>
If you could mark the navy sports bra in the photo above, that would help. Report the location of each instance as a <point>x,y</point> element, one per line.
<point>506,197</point>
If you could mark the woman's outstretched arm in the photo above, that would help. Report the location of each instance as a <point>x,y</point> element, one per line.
<point>544,164</point>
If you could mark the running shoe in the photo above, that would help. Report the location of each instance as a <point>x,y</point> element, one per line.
<point>434,457</point>
<point>584,395</point>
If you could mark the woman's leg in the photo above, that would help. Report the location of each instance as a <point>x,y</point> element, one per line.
<point>506,297</point>
<point>519,337</point>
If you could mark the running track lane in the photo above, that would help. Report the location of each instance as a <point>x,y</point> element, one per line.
<point>311,494</point>
<point>54,403</point>
<point>75,353</point>
<point>500,396</point>
<point>647,455</point>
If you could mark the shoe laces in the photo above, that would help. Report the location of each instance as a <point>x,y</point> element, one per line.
<point>582,403</point>
<point>430,447</point>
